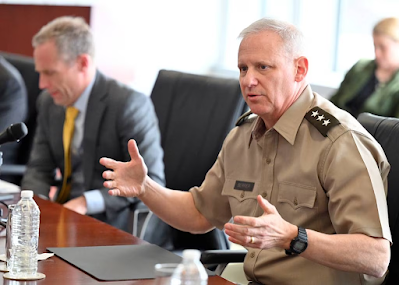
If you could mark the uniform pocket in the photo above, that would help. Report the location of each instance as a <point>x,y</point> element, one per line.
<point>297,195</point>
<point>241,202</point>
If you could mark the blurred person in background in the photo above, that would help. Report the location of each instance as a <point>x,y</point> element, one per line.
<point>13,108</point>
<point>373,85</point>
<point>108,114</point>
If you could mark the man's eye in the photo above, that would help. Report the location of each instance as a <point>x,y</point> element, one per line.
<point>49,73</point>
<point>243,69</point>
<point>263,67</point>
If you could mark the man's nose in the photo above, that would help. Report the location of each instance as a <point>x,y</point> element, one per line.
<point>251,79</point>
<point>43,82</point>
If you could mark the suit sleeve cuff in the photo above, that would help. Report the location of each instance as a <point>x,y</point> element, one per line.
<point>95,202</point>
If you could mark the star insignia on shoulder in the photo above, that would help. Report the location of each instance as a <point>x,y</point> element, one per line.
<point>321,120</point>
<point>326,122</point>
<point>315,113</point>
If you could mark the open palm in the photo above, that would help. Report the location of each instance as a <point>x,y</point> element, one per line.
<point>125,178</point>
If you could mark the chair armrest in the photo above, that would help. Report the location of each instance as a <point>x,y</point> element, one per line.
<point>13,169</point>
<point>222,256</point>
<point>137,208</point>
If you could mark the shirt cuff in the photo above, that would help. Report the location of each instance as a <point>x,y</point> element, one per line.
<point>95,202</point>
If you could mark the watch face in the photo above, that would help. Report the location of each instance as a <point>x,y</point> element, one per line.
<point>299,246</point>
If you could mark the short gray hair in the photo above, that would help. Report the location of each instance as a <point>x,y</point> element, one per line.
<point>72,37</point>
<point>293,39</point>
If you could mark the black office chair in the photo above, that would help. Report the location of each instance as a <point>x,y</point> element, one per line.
<point>26,67</point>
<point>386,131</point>
<point>195,114</point>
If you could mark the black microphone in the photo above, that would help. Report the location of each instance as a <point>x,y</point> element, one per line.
<point>13,133</point>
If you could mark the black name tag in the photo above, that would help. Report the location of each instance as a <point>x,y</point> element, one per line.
<point>244,186</point>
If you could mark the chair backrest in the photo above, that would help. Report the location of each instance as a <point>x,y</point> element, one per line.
<point>386,131</point>
<point>26,67</point>
<point>195,114</point>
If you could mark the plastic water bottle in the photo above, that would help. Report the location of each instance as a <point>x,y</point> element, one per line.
<point>190,271</point>
<point>25,224</point>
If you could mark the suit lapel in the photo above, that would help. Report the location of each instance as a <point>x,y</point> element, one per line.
<point>94,113</point>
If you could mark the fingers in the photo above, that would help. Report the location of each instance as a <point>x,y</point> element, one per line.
<point>108,174</point>
<point>240,242</point>
<point>108,162</point>
<point>244,230</point>
<point>114,192</point>
<point>108,184</point>
<point>246,240</point>
<point>266,206</point>
<point>133,149</point>
<point>268,209</point>
<point>248,221</point>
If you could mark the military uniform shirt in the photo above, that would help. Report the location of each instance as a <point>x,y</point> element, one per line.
<point>333,184</point>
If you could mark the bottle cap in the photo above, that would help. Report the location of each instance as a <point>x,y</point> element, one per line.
<point>27,194</point>
<point>191,254</point>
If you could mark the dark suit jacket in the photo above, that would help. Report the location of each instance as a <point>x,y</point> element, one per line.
<point>115,114</point>
<point>13,105</point>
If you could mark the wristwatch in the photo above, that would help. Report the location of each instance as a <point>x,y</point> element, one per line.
<point>299,243</point>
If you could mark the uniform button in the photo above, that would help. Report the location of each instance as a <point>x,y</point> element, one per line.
<point>264,194</point>
<point>295,202</point>
<point>242,194</point>
<point>268,161</point>
<point>252,254</point>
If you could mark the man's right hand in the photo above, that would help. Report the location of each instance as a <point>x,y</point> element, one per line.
<point>125,178</point>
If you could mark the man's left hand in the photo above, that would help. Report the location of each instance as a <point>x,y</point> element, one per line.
<point>267,231</point>
<point>78,205</point>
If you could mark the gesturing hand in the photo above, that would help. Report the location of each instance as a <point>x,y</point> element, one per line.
<point>267,231</point>
<point>125,178</point>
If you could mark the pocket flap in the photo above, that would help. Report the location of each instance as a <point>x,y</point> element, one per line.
<point>297,195</point>
<point>240,195</point>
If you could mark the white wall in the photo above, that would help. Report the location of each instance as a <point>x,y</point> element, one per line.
<point>135,39</point>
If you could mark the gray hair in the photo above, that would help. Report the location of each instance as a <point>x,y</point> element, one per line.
<point>72,37</point>
<point>293,39</point>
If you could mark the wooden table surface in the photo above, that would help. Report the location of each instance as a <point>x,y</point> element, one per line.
<point>60,227</point>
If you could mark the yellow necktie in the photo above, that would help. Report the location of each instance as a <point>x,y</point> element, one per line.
<point>69,127</point>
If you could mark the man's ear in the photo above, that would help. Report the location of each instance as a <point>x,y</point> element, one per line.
<point>83,61</point>
<point>301,65</point>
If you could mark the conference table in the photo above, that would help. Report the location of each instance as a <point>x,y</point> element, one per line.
<point>60,227</point>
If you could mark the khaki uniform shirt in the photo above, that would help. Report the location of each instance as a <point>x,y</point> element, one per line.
<point>333,184</point>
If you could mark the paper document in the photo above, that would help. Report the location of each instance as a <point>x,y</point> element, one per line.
<point>7,187</point>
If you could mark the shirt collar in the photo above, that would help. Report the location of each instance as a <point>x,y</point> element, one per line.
<point>288,124</point>
<point>81,103</point>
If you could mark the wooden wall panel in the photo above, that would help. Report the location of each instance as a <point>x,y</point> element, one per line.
<point>18,23</point>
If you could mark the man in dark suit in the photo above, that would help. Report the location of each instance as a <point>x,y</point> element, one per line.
<point>13,107</point>
<point>108,115</point>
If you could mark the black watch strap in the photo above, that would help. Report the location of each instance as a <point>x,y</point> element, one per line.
<point>298,244</point>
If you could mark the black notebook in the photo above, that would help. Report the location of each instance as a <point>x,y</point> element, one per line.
<point>116,263</point>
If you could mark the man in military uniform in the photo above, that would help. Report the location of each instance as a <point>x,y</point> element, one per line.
<point>305,183</point>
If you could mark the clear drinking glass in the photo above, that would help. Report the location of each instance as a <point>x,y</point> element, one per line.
<point>163,273</point>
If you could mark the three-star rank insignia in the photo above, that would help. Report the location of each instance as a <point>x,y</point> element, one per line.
<point>322,120</point>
